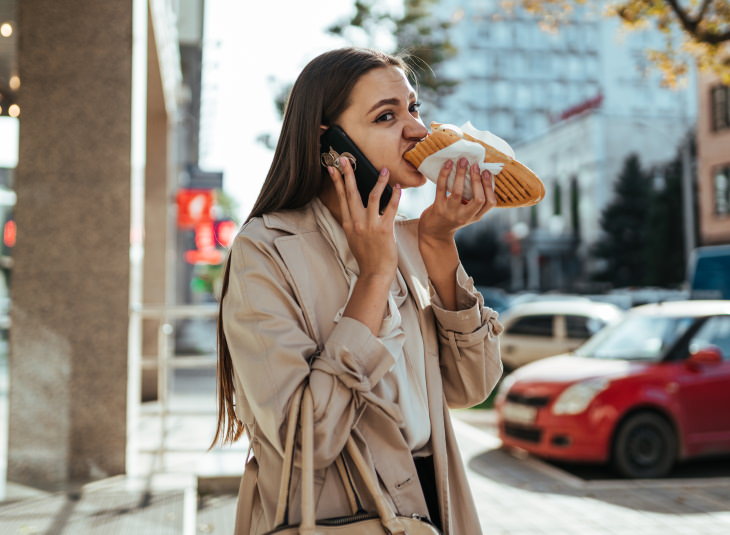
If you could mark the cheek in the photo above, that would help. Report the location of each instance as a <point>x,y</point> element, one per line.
<point>382,151</point>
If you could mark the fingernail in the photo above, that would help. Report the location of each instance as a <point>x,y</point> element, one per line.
<point>449,164</point>
<point>343,161</point>
<point>384,171</point>
<point>330,169</point>
<point>463,162</point>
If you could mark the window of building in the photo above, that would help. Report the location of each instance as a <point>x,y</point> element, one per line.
<point>721,190</point>
<point>720,106</point>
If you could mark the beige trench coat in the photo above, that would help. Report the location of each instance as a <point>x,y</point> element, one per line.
<point>284,289</point>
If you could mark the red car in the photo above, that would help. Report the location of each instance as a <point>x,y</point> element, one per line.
<point>642,394</point>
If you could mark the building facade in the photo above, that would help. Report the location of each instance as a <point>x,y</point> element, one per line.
<point>713,165</point>
<point>574,104</point>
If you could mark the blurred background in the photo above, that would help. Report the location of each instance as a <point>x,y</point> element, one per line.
<point>135,135</point>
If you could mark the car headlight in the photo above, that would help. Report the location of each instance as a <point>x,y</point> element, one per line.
<point>577,397</point>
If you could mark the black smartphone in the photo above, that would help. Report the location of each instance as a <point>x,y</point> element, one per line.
<point>335,139</point>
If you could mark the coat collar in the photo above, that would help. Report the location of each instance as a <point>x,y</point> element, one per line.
<point>301,220</point>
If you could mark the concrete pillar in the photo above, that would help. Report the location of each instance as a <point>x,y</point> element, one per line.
<point>157,208</point>
<point>68,360</point>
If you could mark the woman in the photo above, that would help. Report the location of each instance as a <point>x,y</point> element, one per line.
<point>376,316</point>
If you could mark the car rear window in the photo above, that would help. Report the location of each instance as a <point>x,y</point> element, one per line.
<point>540,325</point>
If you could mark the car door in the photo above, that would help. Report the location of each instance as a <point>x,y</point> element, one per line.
<point>704,392</point>
<point>529,338</point>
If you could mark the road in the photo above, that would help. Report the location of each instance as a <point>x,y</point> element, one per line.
<point>521,495</point>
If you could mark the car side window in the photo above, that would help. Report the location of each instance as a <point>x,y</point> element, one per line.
<point>582,327</point>
<point>540,325</point>
<point>714,332</point>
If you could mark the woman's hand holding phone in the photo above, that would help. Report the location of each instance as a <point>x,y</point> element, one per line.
<point>370,235</point>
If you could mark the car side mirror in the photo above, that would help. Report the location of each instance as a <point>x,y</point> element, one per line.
<point>706,356</point>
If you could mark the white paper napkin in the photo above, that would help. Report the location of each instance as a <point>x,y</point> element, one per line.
<point>474,153</point>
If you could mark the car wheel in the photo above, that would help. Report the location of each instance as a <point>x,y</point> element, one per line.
<point>645,446</point>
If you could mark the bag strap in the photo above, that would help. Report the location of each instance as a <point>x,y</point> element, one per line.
<point>302,410</point>
<point>352,496</point>
<point>282,506</point>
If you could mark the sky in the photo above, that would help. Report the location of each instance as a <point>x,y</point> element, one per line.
<point>252,48</point>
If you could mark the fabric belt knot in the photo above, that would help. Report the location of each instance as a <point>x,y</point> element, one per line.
<point>360,387</point>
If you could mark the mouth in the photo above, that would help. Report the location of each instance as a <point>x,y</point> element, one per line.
<point>410,148</point>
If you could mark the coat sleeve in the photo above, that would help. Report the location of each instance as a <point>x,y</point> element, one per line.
<point>468,344</point>
<point>272,353</point>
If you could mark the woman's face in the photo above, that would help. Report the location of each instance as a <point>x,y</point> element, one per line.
<point>383,121</point>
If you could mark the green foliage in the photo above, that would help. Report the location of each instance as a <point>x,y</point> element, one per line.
<point>665,251</point>
<point>417,32</point>
<point>624,225</point>
<point>695,31</point>
<point>643,236</point>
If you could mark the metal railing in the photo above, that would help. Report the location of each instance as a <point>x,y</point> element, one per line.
<point>166,359</point>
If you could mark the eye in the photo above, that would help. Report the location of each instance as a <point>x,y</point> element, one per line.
<point>414,107</point>
<point>385,117</point>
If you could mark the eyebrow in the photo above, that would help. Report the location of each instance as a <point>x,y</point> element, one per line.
<point>389,101</point>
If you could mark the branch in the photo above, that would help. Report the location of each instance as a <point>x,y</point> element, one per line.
<point>691,25</point>
<point>688,23</point>
<point>703,10</point>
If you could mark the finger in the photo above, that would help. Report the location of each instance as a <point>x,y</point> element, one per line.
<point>377,191</point>
<point>477,187</point>
<point>491,196</point>
<point>457,189</point>
<point>443,179</point>
<point>392,208</point>
<point>337,179</point>
<point>354,201</point>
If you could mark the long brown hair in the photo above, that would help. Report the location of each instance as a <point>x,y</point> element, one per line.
<point>319,96</point>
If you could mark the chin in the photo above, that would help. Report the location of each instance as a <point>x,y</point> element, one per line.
<point>410,178</point>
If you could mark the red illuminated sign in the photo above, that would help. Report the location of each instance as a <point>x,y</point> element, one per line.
<point>9,233</point>
<point>194,206</point>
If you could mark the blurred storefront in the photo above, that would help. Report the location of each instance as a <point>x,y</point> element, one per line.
<point>713,148</point>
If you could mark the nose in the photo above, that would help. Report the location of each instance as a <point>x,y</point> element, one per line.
<point>415,129</point>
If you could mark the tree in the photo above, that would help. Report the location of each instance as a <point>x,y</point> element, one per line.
<point>694,30</point>
<point>624,225</point>
<point>665,255</point>
<point>416,31</point>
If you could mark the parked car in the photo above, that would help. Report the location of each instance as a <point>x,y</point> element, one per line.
<point>641,394</point>
<point>709,276</point>
<point>544,328</point>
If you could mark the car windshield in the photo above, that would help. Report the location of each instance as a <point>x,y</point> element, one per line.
<point>636,338</point>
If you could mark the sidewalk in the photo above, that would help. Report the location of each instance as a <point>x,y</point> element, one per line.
<point>521,495</point>
<point>167,486</point>
<point>515,495</point>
